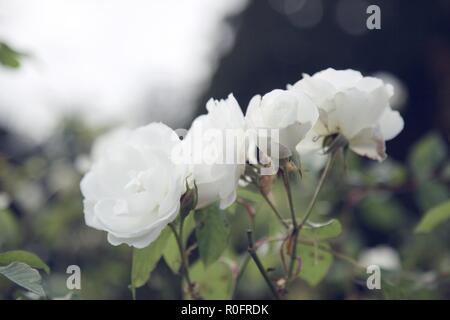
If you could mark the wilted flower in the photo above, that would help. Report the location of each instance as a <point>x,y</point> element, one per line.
<point>353,106</point>
<point>133,189</point>
<point>290,113</point>
<point>215,149</point>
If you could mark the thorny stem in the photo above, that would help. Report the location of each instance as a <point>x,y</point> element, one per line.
<point>252,252</point>
<point>184,262</point>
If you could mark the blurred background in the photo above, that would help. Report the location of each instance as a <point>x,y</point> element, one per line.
<point>71,69</point>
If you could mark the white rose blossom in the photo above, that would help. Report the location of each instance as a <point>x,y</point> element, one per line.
<point>215,149</point>
<point>354,106</point>
<point>133,188</point>
<point>291,114</point>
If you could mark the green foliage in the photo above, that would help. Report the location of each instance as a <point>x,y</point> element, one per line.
<point>315,262</point>
<point>322,231</point>
<point>8,56</point>
<point>430,193</point>
<point>23,256</point>
<point>382,197</point>
<point>249,195</point>
<point>434,217</point>
<point>388,172</point>
<point>25,276</point>
<point>213,233</point>
<point>382,211</point>
<point>427,155</point>
<point>9,228</point>
<point>172,252</point>
<point>145,260</point>
<point>214,281</point>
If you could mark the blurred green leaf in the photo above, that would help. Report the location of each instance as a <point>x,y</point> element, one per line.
<point>23,256</point>
<point>249,195</point>
<point>322,231</point>
<point>388,172</point>
<point>382,211</point>
<point>446,171</point>
<point>393,291</point>
<point>25,276</point>
<point>426,155</point>
<point>9,228</point>
<point>232,209</point>
<point>8,56</point>
<point>431,193</point>
<point>213,233</point>
<point>145,260</point>
<point>315,262</point>
<point>434,217</point>
<point>171,252</point>
<point>214,281</point>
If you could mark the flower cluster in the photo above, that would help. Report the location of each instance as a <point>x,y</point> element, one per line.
<point>138,177</point>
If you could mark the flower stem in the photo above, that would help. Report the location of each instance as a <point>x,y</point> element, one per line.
<point>324,175</point>
<point>241,271</point>
<point>287,186</point>
<point>274,209</point>
<point>184,262</point>
<point>262,270</point>
<point>295,230</point>
<point>298,228</point>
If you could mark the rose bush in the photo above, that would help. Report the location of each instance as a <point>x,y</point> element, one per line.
<point>139,177</point>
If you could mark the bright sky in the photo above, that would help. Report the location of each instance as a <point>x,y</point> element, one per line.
<point>111,60</point>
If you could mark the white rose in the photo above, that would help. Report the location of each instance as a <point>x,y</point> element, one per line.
<point>291,113</point>
<point>383,256</point>
<point>215,148</point>
<point>133,188</point>
<point>354,106</point>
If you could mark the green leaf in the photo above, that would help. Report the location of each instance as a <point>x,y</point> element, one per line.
<point>25,276</point>
<point>249,195</point>
<point>446,171</point>
<point>171,252</point>
<point>431,193</point>
<point>426,155</point>
<point>434,217</point>
<point>9,228</point>
<point>381,211</point>
<point>322,231</point>
<point>213,233</point>
<point>315,262</point>
<point>8,56</point>
<point>388,172</point>
<point>145,260</point>
<point>232,209</point>
<point>393,291</point>
<point>215,281</point>
<point>23,256</point>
